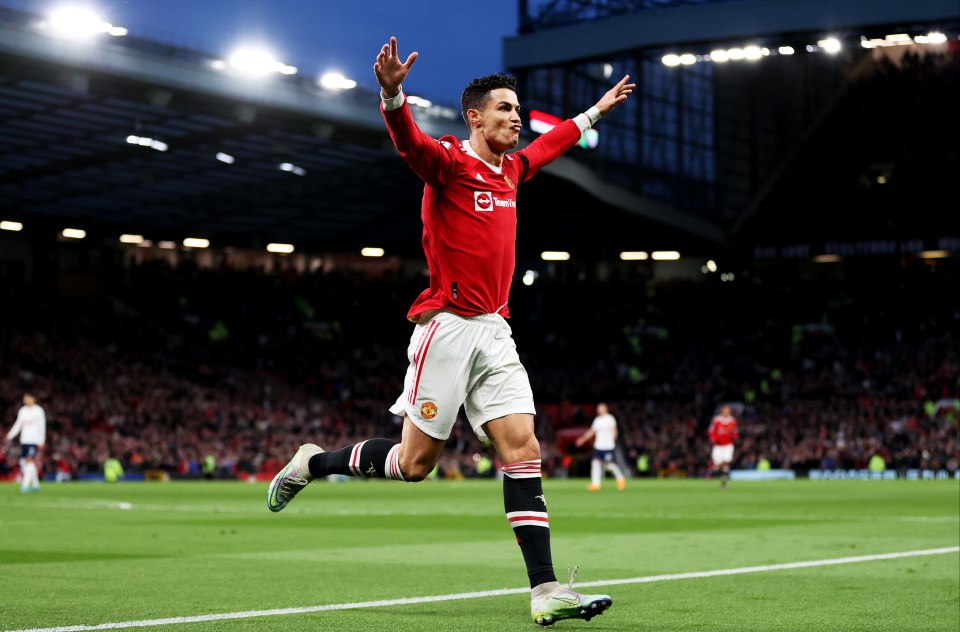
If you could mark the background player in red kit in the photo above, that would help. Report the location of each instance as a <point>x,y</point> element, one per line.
<point>723,432</point>
<point>462,350</point>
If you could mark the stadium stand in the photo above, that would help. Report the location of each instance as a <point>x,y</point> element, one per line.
<point>168,365</point>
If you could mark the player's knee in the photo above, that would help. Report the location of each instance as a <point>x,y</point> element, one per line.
<point>528,449</point>
<point>416,470</point>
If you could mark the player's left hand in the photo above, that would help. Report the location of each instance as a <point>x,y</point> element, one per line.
<point>616,95</point>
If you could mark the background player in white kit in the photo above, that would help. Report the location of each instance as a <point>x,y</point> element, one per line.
<point>603,431</point>
<point>31,425</point>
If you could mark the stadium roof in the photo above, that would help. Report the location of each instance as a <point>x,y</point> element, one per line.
<point>123,135</point>
<point>129,136</point>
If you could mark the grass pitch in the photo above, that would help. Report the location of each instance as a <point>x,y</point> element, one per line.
<point>92,554</point>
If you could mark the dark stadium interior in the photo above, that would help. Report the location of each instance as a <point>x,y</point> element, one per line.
<point>822,189</point>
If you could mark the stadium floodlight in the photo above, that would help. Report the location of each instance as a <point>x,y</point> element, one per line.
<point>225,158</point>
<point>336,81</point>
<point>752,53</point>
<point>785,50</point>
<point>634,255</point>
<point>146,243</point>
<point>80,23</point>
<point>688,59</point>
<point>167,245</point>
<point>283,249</point>
<point>131,239</point>
<point>665,255</point>
<point>830,45</point>
<point>11,226</point>
<point>736,54</point>
<point>73,233</point>
<point>292,168</point>
<point>826,258</point>
<point>935,254</point>
<point>415,100</point>
<point>931,38</point>
<point>529,277</point>
<point>712,265</point>
<point>671,60</point>
<point>196,242</point>
<point>719,55</point>
<point>145,141</point>
<point>371,252</point>
<point>258,62</point>
<point>555,255</point>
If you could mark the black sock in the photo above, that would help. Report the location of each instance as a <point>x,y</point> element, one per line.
<point>367,459</point>
<point>526,510</point>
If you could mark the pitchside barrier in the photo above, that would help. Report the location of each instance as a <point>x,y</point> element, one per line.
<point>886,475</point>
<point>736,475</point>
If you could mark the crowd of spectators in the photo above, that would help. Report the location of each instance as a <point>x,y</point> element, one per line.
<point>170,365</point>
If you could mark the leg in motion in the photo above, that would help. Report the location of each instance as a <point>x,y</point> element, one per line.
<point>596,474</point>
<point>526,508</point>
<point>614,469</point>
<point>410,460</point>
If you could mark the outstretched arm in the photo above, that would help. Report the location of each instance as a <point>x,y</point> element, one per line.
<point>390,71</point>
<point>585,437</point>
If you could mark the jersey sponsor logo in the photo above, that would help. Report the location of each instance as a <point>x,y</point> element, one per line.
<point>485,201</point>
<point>482,201</point>
<point>428,410</point>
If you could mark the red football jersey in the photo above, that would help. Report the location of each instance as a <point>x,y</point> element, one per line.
<point>723,430</point>
<point>469,213</point>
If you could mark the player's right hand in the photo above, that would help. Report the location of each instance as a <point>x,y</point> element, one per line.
<point>390,71</point>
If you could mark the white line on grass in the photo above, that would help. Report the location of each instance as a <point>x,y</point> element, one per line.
<point>249,614</point>
<point>460,511</point>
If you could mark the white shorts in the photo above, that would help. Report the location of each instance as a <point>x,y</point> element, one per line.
<point>722,454</point>
<point>457,360</point>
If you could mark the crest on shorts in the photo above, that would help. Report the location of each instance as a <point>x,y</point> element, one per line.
<point>428,410</point>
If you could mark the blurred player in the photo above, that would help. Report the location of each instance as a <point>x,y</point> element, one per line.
<point>723,432</point>
<point>603,431</point>
<point>31,425</point>
<point>462,350</point>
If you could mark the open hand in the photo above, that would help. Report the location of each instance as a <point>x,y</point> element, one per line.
<point>616,95</point>
<point>390,71</point>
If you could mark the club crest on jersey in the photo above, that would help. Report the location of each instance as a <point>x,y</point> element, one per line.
<point>482,201</point>
<point>428,410</point>
<point>508,181</point>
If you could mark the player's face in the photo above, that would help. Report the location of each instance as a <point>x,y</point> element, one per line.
<point>500,120</point>
<point>28,400</point>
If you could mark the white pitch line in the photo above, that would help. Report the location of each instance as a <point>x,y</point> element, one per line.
<point>249,614</point>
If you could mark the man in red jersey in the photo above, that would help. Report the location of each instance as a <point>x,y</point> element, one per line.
<point>462,351</point>
<point>723,432</point>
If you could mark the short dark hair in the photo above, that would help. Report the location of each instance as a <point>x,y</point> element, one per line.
<point>478,92</point>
